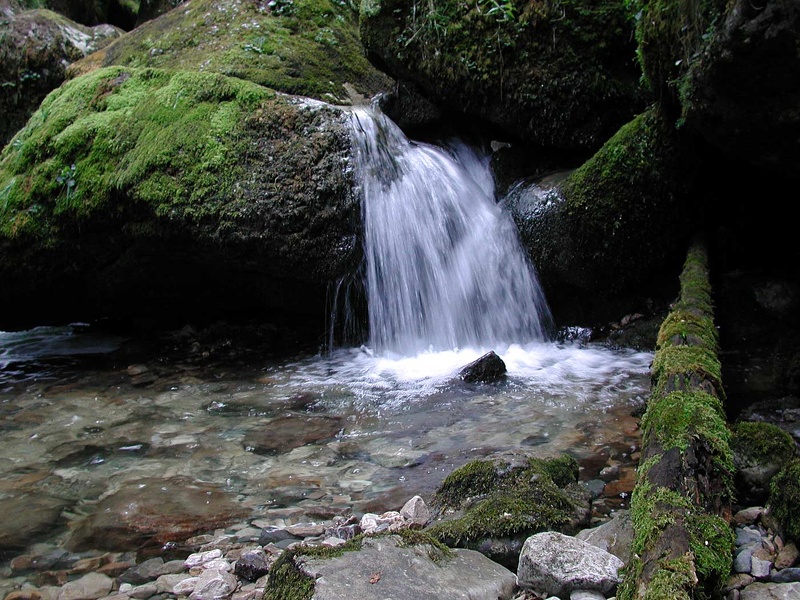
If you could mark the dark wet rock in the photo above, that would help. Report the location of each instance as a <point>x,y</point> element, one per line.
<point>756,44</point>
<point>760,450</point>
<point>273,535</point>
<point>252,564</point>
<point>265,225</point>
<point>571,93</point>
<point>487,369</point>
<point>790,575</point>
<point>27,516</point>
<point>149,570</point>
<point>286,433</point>
<point>556,565</point>
<point>36,47</point>
<point>151,512</point>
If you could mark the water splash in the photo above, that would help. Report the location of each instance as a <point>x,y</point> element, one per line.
<point>444,266</point>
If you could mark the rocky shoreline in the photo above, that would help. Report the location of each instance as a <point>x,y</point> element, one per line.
<point>234,563</point>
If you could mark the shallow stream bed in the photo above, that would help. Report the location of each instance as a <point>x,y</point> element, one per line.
<point>99,453</point>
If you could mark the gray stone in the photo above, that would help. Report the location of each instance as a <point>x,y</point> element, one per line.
<point>787,556</point>
<point>747,535</point>
<point>759,568</point>
<point>171,567</point>
<point>416,511</point>
<point>167,583</point>
<point>586,595</point>
<point>148,570</point>
<point>386,568</point>
<point>89,587</point>
<point>556,564</point>
<point>742,563</point>
<point>273,535</point>
<point>214,585</point>
<point>185,586</point>
<point>615,536</point>
<point>748,516</point>
<point>771,591</point>
<point>140,592</point>
<point>786,576</point>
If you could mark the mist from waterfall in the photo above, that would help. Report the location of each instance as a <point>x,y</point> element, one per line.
<point>444,266</point>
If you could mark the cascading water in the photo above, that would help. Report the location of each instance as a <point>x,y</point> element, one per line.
<point>444,267</point>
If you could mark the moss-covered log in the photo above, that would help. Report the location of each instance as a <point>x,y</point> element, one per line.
<point>681,503</point>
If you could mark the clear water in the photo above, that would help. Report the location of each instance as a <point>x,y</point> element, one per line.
<point>78,432</point>
<point>307,437</point>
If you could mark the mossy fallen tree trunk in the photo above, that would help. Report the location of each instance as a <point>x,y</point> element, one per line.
<point>681,503</point>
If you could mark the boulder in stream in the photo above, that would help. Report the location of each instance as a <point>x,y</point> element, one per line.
<point>488,368</point>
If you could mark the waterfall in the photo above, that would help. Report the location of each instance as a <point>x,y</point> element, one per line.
<point>444,266</point>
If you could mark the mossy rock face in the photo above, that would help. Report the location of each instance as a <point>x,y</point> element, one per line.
<point>743,90</point>
<point>785,498</point>
<point>303,47</point>
<point>555,74</point>
<point>760,450</point>
<point>35,48</point>
<point>618,221</point>
<point>136,191</point>
<point>493,505</point>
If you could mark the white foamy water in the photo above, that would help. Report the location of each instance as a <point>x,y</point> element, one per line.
<point>444,267</point>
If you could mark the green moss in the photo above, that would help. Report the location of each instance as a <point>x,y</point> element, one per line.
<point>686,327</point>
<point>677,419</point>
<point>304,47</point>
<point>785,498</point>
<point>688,360</point>
<point>503,501</point>
<point>287,582</point>
<point>762,442</point>
<point>670,35</point>
<point>437,551</point>
<point>170,140</point>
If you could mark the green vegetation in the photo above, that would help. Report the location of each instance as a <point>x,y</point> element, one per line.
<point>504,499</point>
<point>170,140</point>
<point>762,442</point>
<point>685,412</point>
<point>554,60</point>
<point>304,47</point>
<point>785,498</point>
<point>670,36</point>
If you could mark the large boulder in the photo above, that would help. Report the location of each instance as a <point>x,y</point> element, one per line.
<point>137,192</point>
<point>35,49</point>
<point>619,221</point>
<point>304,47</point>
<point>555,74</point>
<point>388,567</point>
<point>493,505</point>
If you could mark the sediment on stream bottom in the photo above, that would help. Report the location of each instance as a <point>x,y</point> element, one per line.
<point>681,503</point>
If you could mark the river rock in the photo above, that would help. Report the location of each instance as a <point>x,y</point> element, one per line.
<point>26,516</point>
<point>286,433</point>
<point>386,567</point>
<point>89,587</point>
<point>145,571</point>
<point>214,585</point>
<point>154,511</point>
<point>771,591</point>
<point>488,368</point>
<point>614,536</point>
<point>556,564</point>
<point>415,511</point>
<point>252,564</point>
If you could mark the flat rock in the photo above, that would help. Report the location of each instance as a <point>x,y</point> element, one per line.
<point>557,564</point>
<point>615,536</point>
<point>771,591</point>
<point>385,568</point>
<point>89,587</point>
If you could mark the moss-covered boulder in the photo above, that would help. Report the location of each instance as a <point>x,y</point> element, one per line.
<point>556,74</point>
<point>493,505</point>
<point>36,46</point>
<point>730,71</point>
<point>760,450</point>
<point>118,13</point>
<point>305,47</point>
<point>148,192</point>
<point>617,222</point>
<point>785,498</point>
